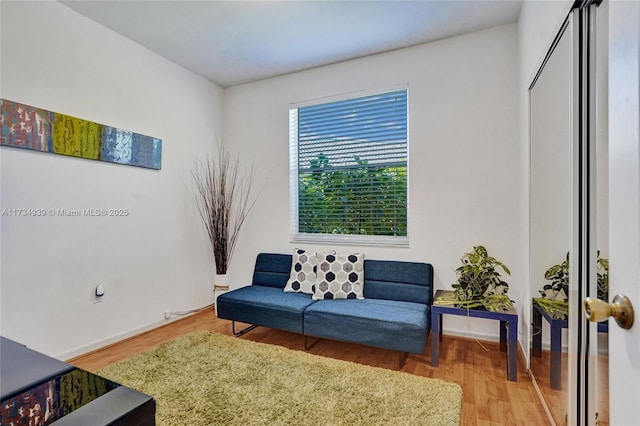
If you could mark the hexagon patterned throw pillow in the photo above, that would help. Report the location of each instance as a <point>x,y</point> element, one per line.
<point>302,278</point>
<point>340,276</point>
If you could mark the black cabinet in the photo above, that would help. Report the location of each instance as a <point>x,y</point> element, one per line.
<point>38,389</point>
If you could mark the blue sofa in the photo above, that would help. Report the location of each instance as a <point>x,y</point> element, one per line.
<point>395,313</point>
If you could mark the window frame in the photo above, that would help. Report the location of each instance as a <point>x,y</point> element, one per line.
<point>346,239</point>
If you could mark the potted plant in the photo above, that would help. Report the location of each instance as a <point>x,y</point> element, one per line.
<point>480,282</point>
<point>224,197</point>
<point>555,295</point>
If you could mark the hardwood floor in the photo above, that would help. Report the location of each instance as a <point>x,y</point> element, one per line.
<point>557,399</point>
<point>488,397</point>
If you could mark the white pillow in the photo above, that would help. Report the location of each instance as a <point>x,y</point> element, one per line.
<point>302,277</point>
<point>339,276</point>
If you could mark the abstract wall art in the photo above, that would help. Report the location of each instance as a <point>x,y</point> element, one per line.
<point>28,127</point>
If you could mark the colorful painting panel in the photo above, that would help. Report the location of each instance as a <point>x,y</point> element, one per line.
<point>27,127</point>
<point>76,137</point>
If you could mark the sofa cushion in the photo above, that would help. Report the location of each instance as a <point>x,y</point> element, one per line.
<point>262,305</point>
<point>387,324</point>
<point>340,276</point>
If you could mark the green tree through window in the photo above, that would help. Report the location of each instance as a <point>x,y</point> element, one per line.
<point>352,166</point>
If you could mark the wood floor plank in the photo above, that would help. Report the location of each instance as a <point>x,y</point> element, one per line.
<point>488,397</point>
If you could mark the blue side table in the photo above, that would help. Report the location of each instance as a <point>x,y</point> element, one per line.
<point>508,330</point>
<point>556,324</point>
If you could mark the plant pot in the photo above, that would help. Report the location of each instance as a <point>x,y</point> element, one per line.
<point>220,286</point>
<point>220,283</point>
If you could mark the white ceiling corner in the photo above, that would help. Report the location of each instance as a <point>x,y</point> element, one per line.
<point>236,42</point>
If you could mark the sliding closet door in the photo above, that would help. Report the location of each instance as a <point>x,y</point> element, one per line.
<point>590,229</point>
<point>569,218</point>
<point>551,105</point>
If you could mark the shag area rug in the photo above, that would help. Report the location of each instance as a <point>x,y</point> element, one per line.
<point>211,379</point>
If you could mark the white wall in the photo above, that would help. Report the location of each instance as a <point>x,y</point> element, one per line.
<point>155,258</point>
<point>466,175</point>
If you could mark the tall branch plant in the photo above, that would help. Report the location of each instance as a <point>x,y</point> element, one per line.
<point>224,196</point>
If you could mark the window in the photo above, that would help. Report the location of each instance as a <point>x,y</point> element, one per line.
<point>349,170</point>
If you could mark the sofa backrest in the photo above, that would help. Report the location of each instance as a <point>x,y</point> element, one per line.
<point>383,279</point>
<point>396,280</point>
<point>272,270</point>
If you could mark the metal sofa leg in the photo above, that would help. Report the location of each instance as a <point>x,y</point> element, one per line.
<point>243,331</point>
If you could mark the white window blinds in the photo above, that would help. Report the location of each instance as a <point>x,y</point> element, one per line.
<point>352,166</point>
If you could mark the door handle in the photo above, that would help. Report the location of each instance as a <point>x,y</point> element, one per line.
<point>620,308</point>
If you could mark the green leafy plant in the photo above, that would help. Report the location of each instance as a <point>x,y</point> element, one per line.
<point>357,198</point>
<point>479,276</point>
<point>558,274</point>
<point>555,295</point>
<point>602,270</point>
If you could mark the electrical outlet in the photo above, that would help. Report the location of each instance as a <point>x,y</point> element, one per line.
<point>98,293</point>
<point>167,314</point>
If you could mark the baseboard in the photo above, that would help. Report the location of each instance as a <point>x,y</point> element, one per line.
<point>99,344</point>
<point>543,402</point>
<point>466,335</point>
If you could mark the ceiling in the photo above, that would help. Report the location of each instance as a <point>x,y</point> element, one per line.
<point>236,42</point>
